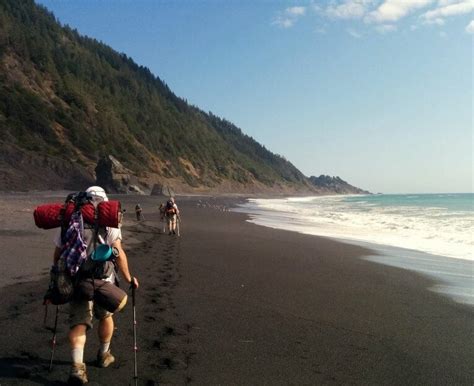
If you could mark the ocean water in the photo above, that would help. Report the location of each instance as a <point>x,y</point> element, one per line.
<point>428,233</point>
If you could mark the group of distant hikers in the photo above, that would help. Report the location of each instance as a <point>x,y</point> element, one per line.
<point>87,257</point>
<point>169,215</point>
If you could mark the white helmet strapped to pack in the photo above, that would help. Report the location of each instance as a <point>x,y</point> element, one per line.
<point>97,193</point>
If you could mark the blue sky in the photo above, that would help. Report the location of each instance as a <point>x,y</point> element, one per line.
<point>378,92</point>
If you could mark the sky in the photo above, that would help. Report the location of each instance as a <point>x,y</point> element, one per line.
<point>378,92</point>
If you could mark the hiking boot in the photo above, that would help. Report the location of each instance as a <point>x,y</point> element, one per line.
<point>174,232</point>
<point>78,374</point>
<point>105,359</point>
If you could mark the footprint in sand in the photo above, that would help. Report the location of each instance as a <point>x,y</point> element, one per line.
<point>171,363</point>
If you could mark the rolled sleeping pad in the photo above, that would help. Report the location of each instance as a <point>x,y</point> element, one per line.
<point>50,216</point>
<point>105,294</point>
<point>110,213</point>
<point>87,211</point>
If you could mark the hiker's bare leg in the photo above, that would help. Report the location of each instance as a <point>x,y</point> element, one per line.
<point>106,329</point>
<point>77,336</point>
<point>77,341</point>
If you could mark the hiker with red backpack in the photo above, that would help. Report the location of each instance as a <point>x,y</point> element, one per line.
<point>88,255</point>
<point>172,215</point>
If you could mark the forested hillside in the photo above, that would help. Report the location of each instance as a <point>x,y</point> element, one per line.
<point>66,100</point>
<point>335,185</point>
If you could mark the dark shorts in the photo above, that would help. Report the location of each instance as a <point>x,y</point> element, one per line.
<point>81,312</point>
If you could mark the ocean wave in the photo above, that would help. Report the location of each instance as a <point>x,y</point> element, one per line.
<point>423,227</point>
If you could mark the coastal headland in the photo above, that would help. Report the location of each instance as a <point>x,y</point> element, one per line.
<point>230,302</point>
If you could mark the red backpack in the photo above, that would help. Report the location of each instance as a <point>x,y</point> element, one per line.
<point>170,209</point>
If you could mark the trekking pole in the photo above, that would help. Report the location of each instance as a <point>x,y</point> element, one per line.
<point>135,348</point>
<point>53,341</point>
<point>45,314</point>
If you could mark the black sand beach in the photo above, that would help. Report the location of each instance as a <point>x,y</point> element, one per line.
<point>230,302</point>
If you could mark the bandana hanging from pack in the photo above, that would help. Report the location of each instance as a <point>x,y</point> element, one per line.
<point>74,248</point>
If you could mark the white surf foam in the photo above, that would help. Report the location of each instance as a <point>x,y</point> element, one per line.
<point>428,229</point>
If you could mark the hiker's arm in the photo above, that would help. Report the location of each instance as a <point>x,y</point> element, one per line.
<point>122,263</point>
<point>56,255</point>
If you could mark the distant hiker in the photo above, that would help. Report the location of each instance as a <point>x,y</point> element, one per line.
<point>172,214</point>
<point>138,212</point>
<point>93,276</point>
<point>162,210</point>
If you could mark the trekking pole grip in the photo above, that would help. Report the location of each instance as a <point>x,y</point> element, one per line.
<point>132,284</point>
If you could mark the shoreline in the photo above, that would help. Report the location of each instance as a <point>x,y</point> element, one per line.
<point>412,260</point>
<point>284,214</point>
<point>230,302</point>
<point>451,273</point>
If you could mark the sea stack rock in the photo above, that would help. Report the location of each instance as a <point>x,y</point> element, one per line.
<point>116,178</point>
<point>162,190</point>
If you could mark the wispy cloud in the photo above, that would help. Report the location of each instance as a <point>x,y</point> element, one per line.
<point>447,9</point>
<point>354,34</point>
<point>320,30</point>
<point>437,21</point>
<point>348,9</point>
<point>385,28</point>
<point>442,3</point>
<point>394,10</point>
<point>384,15</point>
<point>470,27</point>
<point>289,17</point>
<point>296,11</point>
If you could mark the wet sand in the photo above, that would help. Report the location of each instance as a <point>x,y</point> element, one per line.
<point>231,302</point>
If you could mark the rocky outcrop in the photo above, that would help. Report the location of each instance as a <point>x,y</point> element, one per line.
<point>162,190</point>
<point>116,178</point>
<point>335,185</point>
<point>27,170</point>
